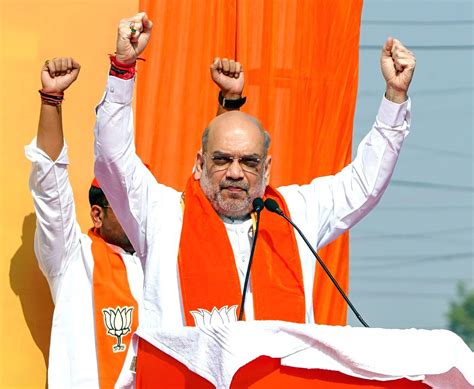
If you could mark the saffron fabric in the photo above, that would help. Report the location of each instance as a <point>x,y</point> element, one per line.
<point>208,271</point>
<point>115,306</point>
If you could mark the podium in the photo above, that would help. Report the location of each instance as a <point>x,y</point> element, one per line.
<point>275,354</point>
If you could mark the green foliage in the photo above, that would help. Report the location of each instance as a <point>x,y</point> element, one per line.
<point>461,315</point>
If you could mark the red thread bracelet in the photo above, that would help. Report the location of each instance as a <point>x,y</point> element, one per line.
<point>51,98</point>
<point>120,69</point>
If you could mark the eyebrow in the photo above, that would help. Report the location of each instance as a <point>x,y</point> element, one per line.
<point>219,153</point>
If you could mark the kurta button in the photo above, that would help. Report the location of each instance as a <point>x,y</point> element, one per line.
<point>111,89</point>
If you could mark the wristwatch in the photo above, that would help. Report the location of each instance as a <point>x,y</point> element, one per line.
<point>231,103</point>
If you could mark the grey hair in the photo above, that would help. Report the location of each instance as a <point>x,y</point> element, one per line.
<point>266,136</point>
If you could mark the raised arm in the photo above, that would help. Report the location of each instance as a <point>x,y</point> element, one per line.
<point>336,203</point>
<point>130,188</point>
<point>57,230</point>
<point>228,75</point>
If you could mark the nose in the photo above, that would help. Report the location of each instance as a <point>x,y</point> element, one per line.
<point>235,171</point>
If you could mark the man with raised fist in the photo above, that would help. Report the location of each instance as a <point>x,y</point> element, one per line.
<point>96,280</point>
<point>195,245</point>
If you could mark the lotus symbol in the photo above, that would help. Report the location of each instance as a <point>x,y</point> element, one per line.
<point>204,318</point>
<point>118,322</point>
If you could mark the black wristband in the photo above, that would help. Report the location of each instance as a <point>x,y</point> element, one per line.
<point>231,103</point>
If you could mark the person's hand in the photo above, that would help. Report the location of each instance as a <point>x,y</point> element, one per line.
<point>132,37</point>
<point>398,66</point>
<point>228,76</point>
<point>58,74</point>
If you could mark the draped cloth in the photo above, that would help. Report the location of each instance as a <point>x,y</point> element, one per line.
<point>301,66</point>
<point>115,310</point>
<point>207,271</point>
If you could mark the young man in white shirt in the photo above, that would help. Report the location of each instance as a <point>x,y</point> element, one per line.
<point>96,279</point>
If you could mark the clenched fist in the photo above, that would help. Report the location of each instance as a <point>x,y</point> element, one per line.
<point>398,66</point>
<point>132,37</point>
<point>58,74</point>
<point>228,75</point>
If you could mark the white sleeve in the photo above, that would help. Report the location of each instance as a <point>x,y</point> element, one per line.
<point>57,231</point>
<point>330,205</point>
<point>129,186</point>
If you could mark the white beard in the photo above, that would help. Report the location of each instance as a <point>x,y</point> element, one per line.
<point>234,208</point>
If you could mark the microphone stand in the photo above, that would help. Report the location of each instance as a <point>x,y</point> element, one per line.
<point>275,208</point>
<point>257,206</point>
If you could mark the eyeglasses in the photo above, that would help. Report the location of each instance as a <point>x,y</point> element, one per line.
<point>248,163</point>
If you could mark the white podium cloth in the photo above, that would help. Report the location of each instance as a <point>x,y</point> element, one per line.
<point>438,358</point>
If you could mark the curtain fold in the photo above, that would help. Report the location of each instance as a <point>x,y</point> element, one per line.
<point>301,68</point>
<point>175,95</point>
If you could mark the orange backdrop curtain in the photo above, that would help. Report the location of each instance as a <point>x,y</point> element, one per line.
<point>301,67</point>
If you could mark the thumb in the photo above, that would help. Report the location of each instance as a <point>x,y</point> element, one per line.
<point>215,64</point>
<point>147,24</point>
<point>387,47</point>
<point>76,65</point>
<point>215,67</point>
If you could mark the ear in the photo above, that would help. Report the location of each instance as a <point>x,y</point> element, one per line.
<point>97,215</point>
<point>198,165</point>
<point>268,168</point>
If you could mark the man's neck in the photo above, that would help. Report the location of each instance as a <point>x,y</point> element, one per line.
<point>234,220</point>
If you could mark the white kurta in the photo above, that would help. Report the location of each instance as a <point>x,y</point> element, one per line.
<point>65,257</point>
<point>152,216</point>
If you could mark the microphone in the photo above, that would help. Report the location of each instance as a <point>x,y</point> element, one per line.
<point>258,205</point>
<point>272,206</point>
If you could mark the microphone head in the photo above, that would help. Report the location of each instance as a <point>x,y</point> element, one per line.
<point>272,206</point>
<point>258,204</point>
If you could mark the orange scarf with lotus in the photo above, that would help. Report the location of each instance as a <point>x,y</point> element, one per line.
<point>207,270</point>
<point>115,310</point>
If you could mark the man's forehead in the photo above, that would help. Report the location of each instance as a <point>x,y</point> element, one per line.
<point>233,132</point>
